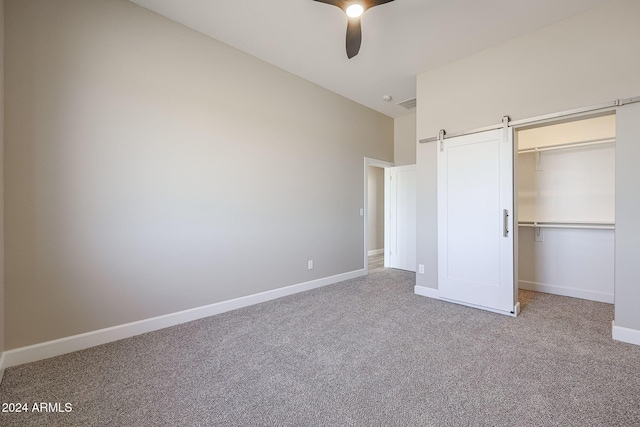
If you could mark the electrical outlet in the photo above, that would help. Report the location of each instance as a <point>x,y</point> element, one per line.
<point>310,264</point>
<point>421,268</point>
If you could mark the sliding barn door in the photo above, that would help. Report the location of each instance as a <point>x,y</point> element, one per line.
<point>401,226</point>
<point>475,220</point>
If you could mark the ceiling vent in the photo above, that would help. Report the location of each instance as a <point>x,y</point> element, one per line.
<point>408,103</point>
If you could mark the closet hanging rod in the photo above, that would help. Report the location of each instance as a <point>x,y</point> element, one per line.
<point>568,145</point>
<point>562,224</point>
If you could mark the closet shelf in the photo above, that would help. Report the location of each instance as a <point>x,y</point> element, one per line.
<point>569,224</point>
<point>568,145</point>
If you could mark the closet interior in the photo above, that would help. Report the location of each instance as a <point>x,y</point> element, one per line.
<point>565,208</point>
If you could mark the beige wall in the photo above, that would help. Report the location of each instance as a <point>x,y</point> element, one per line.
<point>151,169</point>
<point>404,140</point>
<point>577,62</point>
<point>375,208</point>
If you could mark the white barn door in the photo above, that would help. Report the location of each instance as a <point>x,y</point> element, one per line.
<point>476,221</point>
<point>401,225</point>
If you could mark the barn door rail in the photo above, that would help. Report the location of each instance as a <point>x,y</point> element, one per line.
<point>539,119</point>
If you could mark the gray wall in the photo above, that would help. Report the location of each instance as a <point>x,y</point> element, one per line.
<point>151,169</point>
<point>404,140</point>
<point>582,61</point>
<point>627,267</point>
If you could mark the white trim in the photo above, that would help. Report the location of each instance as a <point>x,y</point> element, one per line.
<point>61,346</point>
<point>426,292</point>
<point>619,333</point>
<point>375,252</point>
<point>369,161</point>
<point>433,293</point>
<point>566,291</point>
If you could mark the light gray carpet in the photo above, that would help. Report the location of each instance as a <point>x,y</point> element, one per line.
<point>366,352</point>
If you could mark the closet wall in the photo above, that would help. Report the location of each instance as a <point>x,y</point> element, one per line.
<point>566,201</point>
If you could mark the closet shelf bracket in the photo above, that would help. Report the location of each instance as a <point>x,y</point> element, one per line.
<point>537,235</point>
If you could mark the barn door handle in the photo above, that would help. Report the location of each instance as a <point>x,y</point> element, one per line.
<point>506,223</point>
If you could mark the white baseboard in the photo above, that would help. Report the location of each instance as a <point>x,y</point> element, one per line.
<point>566,291</point>
<point>426,292</point>
<point>375,252</point>
<point>65,345</point>
<point>619,333</point>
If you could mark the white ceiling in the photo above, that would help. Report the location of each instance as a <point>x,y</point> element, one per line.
<point>400,39</point>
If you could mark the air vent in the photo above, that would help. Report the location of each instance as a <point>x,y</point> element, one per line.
<point>408,103</point>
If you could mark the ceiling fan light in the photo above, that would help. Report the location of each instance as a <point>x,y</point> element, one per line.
<point>354,10</point>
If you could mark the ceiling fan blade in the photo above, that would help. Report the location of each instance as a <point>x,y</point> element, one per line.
<point>354,28</point>
<point>354,37</point>
<point>371,3</point>
<point>338,3</point>
<point>342,4</point>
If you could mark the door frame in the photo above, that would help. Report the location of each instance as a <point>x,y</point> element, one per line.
<point>368,161</point>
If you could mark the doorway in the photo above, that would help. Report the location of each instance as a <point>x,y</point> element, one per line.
<point>565,198</point>
<point>389,216</point>
<point>375,192</point>
<point>375,218</point>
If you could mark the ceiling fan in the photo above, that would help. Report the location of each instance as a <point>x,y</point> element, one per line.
<point>354,10</point>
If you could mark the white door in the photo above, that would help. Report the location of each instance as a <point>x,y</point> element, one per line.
<point>401,224</point>
<point>475,221</point>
